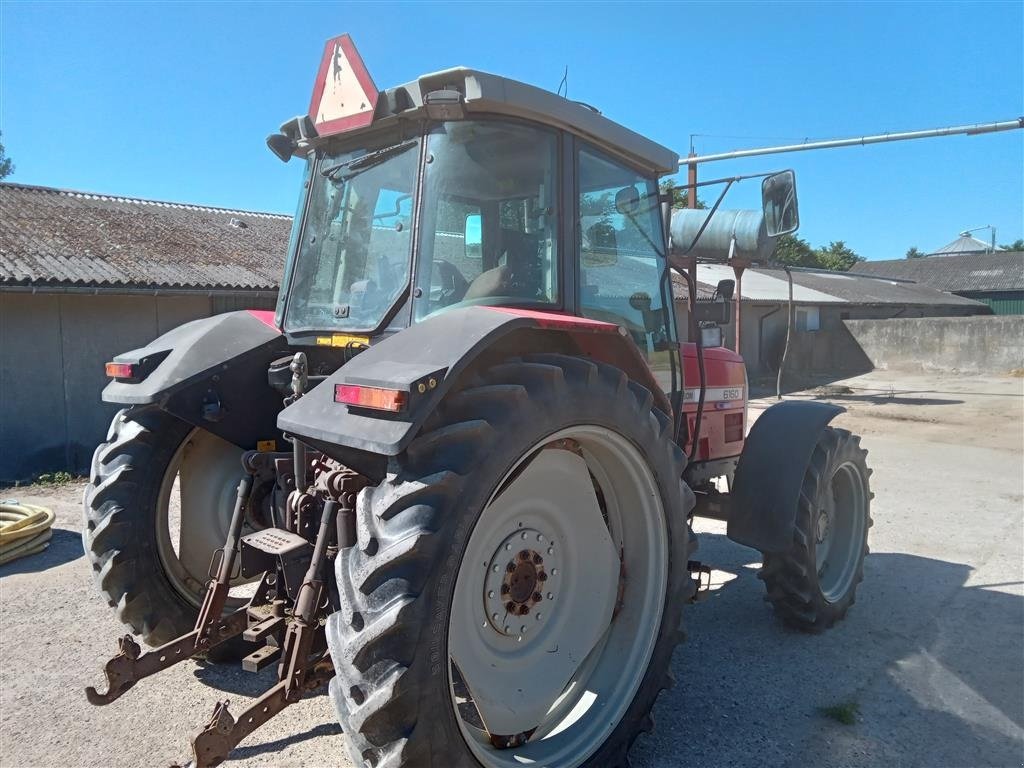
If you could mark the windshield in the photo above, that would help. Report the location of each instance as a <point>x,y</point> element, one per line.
<point>353,257</point>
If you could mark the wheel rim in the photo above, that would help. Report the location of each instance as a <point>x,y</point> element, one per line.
<point>548,643</point>
<point>193,512</point>
<point>839,532</point>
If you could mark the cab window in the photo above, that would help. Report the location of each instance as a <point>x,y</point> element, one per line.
<point>622,250</point>
<point>489,224</point>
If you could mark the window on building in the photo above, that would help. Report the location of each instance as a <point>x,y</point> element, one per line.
<point>807,319</point>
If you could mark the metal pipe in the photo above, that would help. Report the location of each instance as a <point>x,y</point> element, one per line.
<point>760,335</point>
<point>789,330</point>
<point>969,130</point>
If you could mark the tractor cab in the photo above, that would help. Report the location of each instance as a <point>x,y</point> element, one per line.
<point>465,189</point>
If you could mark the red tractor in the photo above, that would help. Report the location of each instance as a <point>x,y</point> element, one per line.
<point>453,475</point>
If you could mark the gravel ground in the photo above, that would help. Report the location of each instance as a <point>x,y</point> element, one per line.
<point>932,654</point>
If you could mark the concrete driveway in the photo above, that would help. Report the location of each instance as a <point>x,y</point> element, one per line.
<point>932,654</point>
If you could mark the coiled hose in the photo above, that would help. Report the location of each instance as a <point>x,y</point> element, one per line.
<point>25,529</point>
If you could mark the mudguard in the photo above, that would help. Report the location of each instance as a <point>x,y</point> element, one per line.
<point>425,360</point>
<point>211,373</point>
<point>771,470</point>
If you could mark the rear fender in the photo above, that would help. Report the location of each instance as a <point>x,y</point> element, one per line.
<point>771,470</point>
<point>431,356</point>
<point>211,373</point>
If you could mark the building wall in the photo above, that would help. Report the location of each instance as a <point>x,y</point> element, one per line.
<point>1002,302</point>
<point>52,351</point>
<point>981,344</point>
<point>830,349</point>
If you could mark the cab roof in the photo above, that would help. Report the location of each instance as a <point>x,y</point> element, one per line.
<point>484,93</point>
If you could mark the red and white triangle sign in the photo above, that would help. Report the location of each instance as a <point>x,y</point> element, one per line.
<point>344,95</point>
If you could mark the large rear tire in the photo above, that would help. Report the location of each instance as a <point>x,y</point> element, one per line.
<point>150,572</point>
<point>425,647</point>
<point>813,585</point>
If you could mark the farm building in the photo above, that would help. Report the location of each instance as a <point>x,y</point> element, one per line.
<point>822,300</point>
<point>84,277</point>
<point>996,278</point>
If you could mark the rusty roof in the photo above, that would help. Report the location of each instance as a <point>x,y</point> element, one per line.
<point>1000,271</point>
<point>59,237</point>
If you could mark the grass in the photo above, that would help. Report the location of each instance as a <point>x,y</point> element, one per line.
<point>844,712</point>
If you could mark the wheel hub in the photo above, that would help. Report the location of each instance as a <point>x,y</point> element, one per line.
<point>822,528</point>
<point>519,591</point>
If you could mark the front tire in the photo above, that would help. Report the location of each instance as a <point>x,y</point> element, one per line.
<point>408,606</point>
<point>813,585</point>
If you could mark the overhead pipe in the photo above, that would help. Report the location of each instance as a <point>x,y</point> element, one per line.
<point>969,130</point>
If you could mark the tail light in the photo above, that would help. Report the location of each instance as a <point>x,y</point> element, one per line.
<point>393,400</point>
<point>120,370</point>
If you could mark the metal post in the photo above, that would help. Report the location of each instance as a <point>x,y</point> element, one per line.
<point>737,269</point>
<point>691,181</point>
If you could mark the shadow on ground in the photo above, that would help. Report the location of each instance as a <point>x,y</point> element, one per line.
<point>65,546</point>
<point>934,665</point>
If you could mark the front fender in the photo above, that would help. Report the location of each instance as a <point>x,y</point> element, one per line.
<point>771,470</point>
<point>439,349</point>
<point>211,373</point>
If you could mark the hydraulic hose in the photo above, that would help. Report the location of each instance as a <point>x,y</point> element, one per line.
<point>25,529</point>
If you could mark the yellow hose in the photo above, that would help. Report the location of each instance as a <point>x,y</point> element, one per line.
<point>25,529</point>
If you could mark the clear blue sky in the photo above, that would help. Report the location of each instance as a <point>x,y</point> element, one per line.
<point>173,101</point>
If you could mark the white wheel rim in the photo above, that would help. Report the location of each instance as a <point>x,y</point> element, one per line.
<point>568,678</point>
<point>203,474</point>
<point>839,532</point>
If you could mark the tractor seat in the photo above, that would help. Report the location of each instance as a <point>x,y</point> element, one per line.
<point>519,276</point>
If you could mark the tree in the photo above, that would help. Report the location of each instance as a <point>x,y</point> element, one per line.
<point>794,251</point>
<point>1016,245</point>
<point>679,197</point>
<point>837,256</point>
<point>6,166</point>
<point>914,253</point>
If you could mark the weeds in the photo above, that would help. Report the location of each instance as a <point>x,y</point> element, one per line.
<point>55,479</point>
<point>845,712</point>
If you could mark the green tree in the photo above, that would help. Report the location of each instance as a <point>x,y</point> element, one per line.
<point>680,198</point>
<point>6,166</point>
<point>794,251</point>
<point>837,256</point>
<point>914,253</point>
<point>1016,245</point>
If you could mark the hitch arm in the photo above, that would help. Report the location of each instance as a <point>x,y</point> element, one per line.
<point>131,665</point>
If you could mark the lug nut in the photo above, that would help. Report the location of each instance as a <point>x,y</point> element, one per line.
<point>523,610</point>
<point>542,576</point>
<point>510,567</point>
<point>524,555</point>
<point>505,589</point>
<point>537,559</point>
<point>537,597</point>
<point>510,607</point>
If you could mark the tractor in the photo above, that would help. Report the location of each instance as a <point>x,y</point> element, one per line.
<point>452,477</point>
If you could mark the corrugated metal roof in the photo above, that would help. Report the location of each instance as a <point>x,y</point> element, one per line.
<point>823,287</point>
<point>964,244</point>
<point>56,237</point>
<point>1001,271</point>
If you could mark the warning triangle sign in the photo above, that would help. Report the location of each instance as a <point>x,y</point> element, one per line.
<point>344,96</point>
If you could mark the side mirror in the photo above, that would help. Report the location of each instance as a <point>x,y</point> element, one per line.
<point>725,289</point>
<point>474,236</point>
<point>778,198</point>
<point>281,145</point>
<point>627,201</point>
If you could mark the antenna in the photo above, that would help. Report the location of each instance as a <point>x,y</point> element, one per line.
<point>565,82</point>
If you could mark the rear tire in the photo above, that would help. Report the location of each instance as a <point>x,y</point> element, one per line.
<point>813,585</point>
<point>121,524</point>
<point>395,686</point>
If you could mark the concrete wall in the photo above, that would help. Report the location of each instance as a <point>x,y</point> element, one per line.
<point>52,351</point>
<point>981,344</point>
<point>830,349</point>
